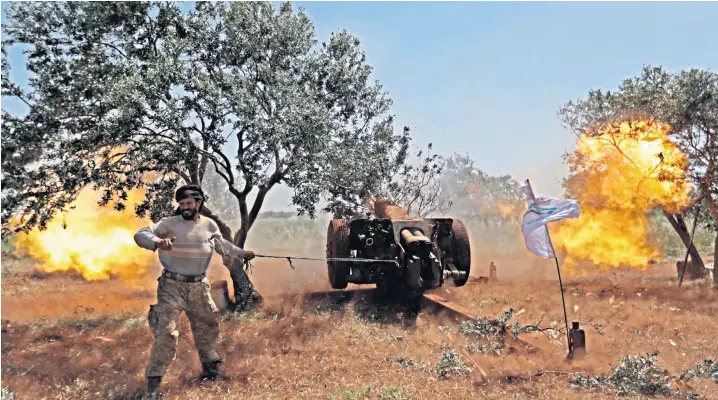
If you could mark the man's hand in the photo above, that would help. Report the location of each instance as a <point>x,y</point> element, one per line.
<point>246,254</point>
<point>165,244</point>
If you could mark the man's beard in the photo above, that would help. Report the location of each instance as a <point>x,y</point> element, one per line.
<point>191,215</point>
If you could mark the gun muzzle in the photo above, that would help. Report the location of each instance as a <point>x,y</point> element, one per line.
<point>411,238</point>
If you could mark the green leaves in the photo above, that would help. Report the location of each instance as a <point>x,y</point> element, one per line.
<point>144,95</point>
<point>635,375</point>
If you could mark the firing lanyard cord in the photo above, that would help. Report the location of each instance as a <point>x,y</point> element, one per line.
<point>290,258</point>
<point>248,266</point>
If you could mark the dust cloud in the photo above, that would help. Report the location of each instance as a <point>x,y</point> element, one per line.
<point>35,294</point>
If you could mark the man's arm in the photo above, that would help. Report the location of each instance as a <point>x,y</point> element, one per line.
<point>148,237</point>
<point>226,248</point>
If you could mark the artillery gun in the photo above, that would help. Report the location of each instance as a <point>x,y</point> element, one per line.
<point>412,254</point>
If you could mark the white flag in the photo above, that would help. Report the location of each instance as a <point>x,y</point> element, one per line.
<point>526,189</point>
<point>541,211</point>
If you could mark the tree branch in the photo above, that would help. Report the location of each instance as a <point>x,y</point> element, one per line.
<point>183,175</point>
<point>248,184</point>
<point>712,206</point>
<point>116,49</point>
<point>203,161</point>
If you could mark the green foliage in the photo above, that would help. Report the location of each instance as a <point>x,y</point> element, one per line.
<point>707,370</point>
<point>220,199</point>
<point>7,394</point>
<point>404,362</point>
<point>490,347</point>
<point>85,323</point>
<point>7,245</point>
<point>356,394</point>
<point>450,366</point>
<point>135,322</point>
<point>635,375</point>
<point>144,95</point>
<point>662,234</point>
<point>482,327</point>
<point>17,371</point>
<point>392,393</point>
<point>493,333</point>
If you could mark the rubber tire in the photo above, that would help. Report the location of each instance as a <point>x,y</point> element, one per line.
<point>338,247</point>
<point>461,250</point>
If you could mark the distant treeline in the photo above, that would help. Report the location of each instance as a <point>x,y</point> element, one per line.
<point>276,214</point>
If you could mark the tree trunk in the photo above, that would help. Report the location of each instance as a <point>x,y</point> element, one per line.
<point>240,237</point>
<point>713,211</point>
<point>245,295</point>
<point>679,225</point>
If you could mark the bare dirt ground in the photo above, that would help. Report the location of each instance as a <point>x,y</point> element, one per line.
<point>66,338</point>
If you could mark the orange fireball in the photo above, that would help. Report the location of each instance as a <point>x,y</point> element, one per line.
<point>95,242</point>
<point>619,174</point>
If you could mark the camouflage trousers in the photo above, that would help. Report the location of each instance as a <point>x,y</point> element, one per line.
<point>174,297</point>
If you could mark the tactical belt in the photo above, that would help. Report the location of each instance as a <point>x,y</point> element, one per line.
<point>182,278</point>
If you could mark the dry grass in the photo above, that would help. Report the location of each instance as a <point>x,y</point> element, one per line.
<point>354,348</point>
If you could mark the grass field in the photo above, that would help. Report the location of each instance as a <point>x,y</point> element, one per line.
<point>67,338</point>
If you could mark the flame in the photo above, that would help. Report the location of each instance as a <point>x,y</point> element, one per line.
<point>96,242</point>
<point>618,176</point>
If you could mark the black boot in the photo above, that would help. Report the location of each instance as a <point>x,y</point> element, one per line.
<point>211,371</point>
<point>153,385</point>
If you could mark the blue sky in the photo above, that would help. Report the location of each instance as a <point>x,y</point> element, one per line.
<point>487,78</point>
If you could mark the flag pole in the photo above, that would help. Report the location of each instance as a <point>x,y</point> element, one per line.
<point>558,269</point>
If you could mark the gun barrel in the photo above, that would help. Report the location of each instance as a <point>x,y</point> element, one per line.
<point>385,208</point>
<point>417,236</point>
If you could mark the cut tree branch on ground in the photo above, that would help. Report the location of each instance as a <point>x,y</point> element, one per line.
<point>516,330</point>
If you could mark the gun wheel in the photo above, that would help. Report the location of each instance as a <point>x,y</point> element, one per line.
<point>461,250</point>
<point>338,247</point>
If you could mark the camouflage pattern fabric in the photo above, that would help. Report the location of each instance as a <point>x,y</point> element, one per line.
<point>173,298</point>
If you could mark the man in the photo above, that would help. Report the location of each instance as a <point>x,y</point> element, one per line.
<point>186,242</point>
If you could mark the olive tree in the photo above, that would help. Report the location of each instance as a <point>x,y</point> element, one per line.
<point>126,95</point>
